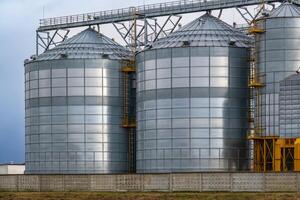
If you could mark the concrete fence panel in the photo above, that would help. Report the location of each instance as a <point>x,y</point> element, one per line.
<point>103,183</point>
<point>156,182</point>
<point>216,182</point>
<point>9,183</point>
<point>52,183</point>
<point>77,182</point>
<point>281,182</point>
<point>230,182</point>
<point>298,182</point>
<point>186,182</point>
<point>29,183</point>
<point>131,182</point>
<point>250,182</point>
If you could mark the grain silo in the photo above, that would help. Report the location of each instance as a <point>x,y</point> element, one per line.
<point>74,107</point>
<point>278,56</point>
<point>192,100</point>
<point>289,107</point>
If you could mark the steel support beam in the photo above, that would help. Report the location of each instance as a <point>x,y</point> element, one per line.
<point>146,11</point>
<point>46,40</point>
<point>147,30</point>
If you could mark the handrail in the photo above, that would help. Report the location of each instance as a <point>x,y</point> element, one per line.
<point>151,10</point>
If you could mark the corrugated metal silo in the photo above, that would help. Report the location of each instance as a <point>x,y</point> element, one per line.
<point>74,107</point>
<point>192,100</point>
<point>278,56</point>
<point>289,107</point>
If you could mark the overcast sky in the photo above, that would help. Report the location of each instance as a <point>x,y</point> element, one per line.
<point>18,22</point>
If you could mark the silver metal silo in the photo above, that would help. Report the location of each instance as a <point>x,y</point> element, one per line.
<point>289,107</point>
<point>192,100</point>
<point>74,107</point>
<point>278,56</point>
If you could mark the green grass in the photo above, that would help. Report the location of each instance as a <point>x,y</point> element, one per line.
<point>144,196</point>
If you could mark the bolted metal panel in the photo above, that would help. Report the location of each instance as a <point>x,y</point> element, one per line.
<point>204,31</point>
<point>277,58</point>
<point>74,108</point>
<point>192,103</point>
<point>86,44</point>
<point>289,107</point>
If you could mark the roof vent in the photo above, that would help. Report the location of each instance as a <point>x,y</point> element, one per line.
<point>33,57</point>
<point>298,71</point>
<point>186,43</point>
<point>265,13</point>
<point>149,46</point>
<point>105,56</point>
<point>63,55</point>
<point>232,42</point>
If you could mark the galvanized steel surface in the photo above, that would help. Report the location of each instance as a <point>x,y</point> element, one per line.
<point>278,56</point>
<point>74,109</point>
<point>289,107</point>
<point>205,31</point>
<point>88,44</point>
<point>192,104</point>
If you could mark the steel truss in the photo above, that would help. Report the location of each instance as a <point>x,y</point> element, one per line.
<point>48,39</point>
<point>139,26</point>
<point>249,17</point>
<point>142,32</point>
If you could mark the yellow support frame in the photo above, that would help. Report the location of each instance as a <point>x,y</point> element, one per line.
<point>255,30</point>
<point>128,67</point>
<point>128,122</point>
<point>297,155</point>
<point>272,153</point>
<point>264,159</point>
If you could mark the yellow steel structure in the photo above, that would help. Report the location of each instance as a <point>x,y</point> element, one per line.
<point>284,154</point>
<point>255,30</point>
<point>276,154</point>
<point>128,121</point>
<point>255,85</point>
<point>270,153</point>
<point>297,155</point>
<point>264,159</point>
<point>128,69</point>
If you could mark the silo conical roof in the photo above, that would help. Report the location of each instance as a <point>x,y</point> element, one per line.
<point>204,31</point>
<point>286,10</point>
<point>86,44</point>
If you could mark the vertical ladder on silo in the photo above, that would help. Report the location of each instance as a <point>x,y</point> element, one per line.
<point>128,121</point>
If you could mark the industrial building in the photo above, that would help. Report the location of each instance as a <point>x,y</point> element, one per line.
<point>205,96</point>
<point>7,169</point>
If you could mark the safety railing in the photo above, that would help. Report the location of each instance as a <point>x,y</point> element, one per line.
<point>151,10</point>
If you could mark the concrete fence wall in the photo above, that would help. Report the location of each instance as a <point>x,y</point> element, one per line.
<point>198,182</point>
